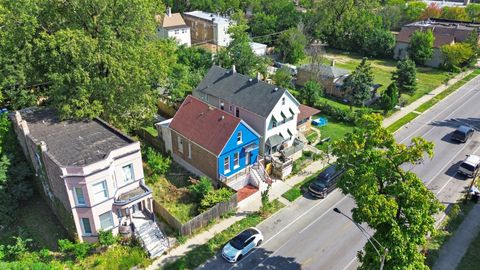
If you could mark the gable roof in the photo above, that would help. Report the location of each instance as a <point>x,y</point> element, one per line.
<point>73,143</point>
<point>325,70</point>
<point>207,126</point>
<point>253,95</point>
<point>305,112</point>
<point>172,21</point>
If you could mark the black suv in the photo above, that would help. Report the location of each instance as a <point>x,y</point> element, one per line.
<point>325,182</point>
<point>462,134</point>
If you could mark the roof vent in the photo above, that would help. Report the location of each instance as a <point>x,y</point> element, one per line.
<point>275,89</point>
<point>250,79</point>
<point>210,108</point>
<point>222,117</point>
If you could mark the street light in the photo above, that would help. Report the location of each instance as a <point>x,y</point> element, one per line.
<point>368,236</point>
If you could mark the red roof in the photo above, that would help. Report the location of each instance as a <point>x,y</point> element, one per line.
<point>203,124</point>
<point>306,111</point>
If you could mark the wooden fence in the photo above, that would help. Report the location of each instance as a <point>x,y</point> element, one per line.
<point>199,221</point>
<point>151,140</point>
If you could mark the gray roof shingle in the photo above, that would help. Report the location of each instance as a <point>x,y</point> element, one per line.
<point>73,143</point>
<point>255,96</point>
<point>325,70</point>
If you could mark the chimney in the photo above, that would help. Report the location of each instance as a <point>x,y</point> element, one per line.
<point>259,77</point>
<point>234,69</point>
<point>333,63</point>
<point>169,11</point>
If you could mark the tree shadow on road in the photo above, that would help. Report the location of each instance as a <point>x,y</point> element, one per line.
<point>456,122</point>
<point>263,259</point>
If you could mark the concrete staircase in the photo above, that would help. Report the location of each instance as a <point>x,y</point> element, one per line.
<point>151,238</point>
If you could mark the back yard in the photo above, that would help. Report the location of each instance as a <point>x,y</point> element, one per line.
<point>334,130</point>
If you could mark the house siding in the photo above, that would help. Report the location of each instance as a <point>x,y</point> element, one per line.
<point>232,147</point>
<point>401,51</point>
<point>201,159</point>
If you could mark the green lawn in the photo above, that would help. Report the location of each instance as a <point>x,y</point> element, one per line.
<point>471,260</point>
<point>427,78</point>
<point>402,121</point>
<point>36,221</point>
<point>297,190</point>
<point>334,129</point>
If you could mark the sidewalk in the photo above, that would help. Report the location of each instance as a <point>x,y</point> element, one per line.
<point>453,251</point>
<point>414,105</point>
<point>276,191</point>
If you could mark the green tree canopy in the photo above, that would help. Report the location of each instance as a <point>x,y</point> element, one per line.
<point>310,93</point>
<point>456,55</point>
<point>283,78</point>
<point>390,97</point>
<point>473,11</point>
<point>414,10</point>
<point>392,201</point>
<point>405,76</point>
<point>291,45</point>
<point>455,13</point>
<point>359,84</point>
<point>420,48</point>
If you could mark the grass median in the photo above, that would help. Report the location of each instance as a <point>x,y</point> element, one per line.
<point>297,190</point>
<point>200,254</point>
<point>402,121</point>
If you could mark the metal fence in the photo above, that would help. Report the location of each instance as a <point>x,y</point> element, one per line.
<point>200,220</point>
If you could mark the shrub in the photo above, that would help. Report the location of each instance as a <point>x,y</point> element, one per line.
<point>200,188</point>
<point>157,163</point>
<point>75,250</point>
<point>266,204</point>
<point>214,197</point>
<point>13,252</point>
<point>106,238</point>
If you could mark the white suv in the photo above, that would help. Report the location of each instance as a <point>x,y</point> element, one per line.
<point>470,165</point>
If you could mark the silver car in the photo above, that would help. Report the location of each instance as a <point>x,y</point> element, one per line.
<point>241,244</point>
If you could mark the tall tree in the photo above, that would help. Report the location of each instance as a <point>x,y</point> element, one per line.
<point>413,10</point>
<point>473,11</point>
<point>420,48</point>
<point>432,11</point>
<point>405,76</point>
<point>262,25</point>
<point>283,78</point>
<point>291,45</point>
<point>392,201</point>
<point>359,84</point>
<point>454,13</point>
<point>310,93</point>
<point>456,55</point>
<point>390,97</point>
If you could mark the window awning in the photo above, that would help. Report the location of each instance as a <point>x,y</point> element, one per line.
<point>251,147</point>
<point>275,140</point>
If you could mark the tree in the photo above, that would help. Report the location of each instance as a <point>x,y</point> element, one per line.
<point>310,93</point>
<point>378,42</point>
<point>473,11</point>
<point>393,202</point>
<point>390,97</point>
<point>456,55</point>
<point>359,84</point>
<point>454,13</point>
<point>405,76</point>
<point>420,48</point>
<point>262,25</point>
<point>283,78</point>
<point>414,10</point>
<point>432,11</point>
<point>291,45</point>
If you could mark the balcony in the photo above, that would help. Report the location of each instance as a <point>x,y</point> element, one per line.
<point>133,195</point>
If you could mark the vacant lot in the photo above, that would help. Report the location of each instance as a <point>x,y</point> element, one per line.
<point>35,221</point>
<point>427,78</point>
<point>334,130</point>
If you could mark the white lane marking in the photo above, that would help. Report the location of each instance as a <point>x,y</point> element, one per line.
<point>326,212</point>
<point>446,117</point>
<point>451,177</point>
<point>350,263</point>
<point>447,164</point>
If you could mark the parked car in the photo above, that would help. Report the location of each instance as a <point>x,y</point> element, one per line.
<point>470,165</point>
<point>241,244</point>
<point>462,134</point>
<point>326,182</point>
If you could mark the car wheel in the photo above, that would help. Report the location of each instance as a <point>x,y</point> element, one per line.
<point>239,257</point>
<point>259,243</point>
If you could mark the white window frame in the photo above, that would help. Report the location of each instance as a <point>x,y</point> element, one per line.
<point>111,218</point>
<point>177,32</point>
<point>226,164</point>
<point>239,137</point>
<point>189,150</point>
<point>283,100</point>
<point>132,174</point>
<point>75,193</point>
<point>236,160</point>
<point>180,144</point>
<point>83,226</point>
<point>105,190</point>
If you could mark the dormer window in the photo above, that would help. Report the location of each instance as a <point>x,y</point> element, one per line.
<point>222,106</point>
<point>283,100</point>
<point>239,137</point>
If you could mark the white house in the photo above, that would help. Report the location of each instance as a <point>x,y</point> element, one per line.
<point>208,27</point>
<point>270,110</point>
<point>173,26</point>
<point>258,48</point>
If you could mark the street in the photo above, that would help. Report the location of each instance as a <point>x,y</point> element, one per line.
<point>309,235</point>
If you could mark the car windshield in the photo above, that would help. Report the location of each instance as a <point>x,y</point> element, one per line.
<point>238,241</point>
<point>467,166</point>
<point>320,183</point>
<point>458,133</point>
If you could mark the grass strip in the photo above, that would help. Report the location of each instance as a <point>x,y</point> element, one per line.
<point>471,260</point>
<point>402,121</point>
<point>425,106</point>
<point>297,190</point>
<point>452,221</point>
<point>200,254</point>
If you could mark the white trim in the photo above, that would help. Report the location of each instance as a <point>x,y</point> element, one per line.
<point>105,190</point>
<point>189,150</point>
<point>77,203</point>
<point>111,217</point>
<point>238,160</point>
<point>83,226</point>
<point>239,134</point>
<point>227,158</point>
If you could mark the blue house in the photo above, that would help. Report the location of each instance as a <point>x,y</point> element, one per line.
<point>208,141</point>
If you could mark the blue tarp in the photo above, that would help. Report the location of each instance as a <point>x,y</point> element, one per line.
<point>320,122</point>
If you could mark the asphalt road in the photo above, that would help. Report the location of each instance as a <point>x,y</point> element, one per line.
<point>309,235</point>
